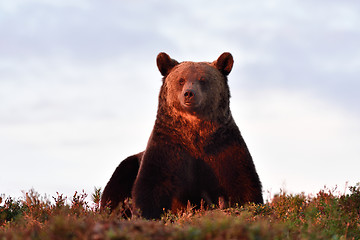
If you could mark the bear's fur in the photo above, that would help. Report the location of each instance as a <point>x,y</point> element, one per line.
<point>195,152</point>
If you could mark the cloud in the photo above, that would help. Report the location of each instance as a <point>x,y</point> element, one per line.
<point>55,30</point>
<point>74,75</point>
<point>16,5</point>
<point>302,46</point>
<point>298,138</point>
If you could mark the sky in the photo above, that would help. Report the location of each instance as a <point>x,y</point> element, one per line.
<point>79,86</point>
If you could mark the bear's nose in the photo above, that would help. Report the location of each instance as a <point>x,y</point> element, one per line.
<point>189,94</point>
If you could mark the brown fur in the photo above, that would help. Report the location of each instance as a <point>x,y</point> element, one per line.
<point>195,152</point>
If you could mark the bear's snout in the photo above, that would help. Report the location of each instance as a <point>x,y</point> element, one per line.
<point>190,99</point>
<point>189,95</point>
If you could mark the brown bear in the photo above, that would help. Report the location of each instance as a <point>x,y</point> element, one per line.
<point>195,152</point>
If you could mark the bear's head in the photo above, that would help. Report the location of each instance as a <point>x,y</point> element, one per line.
<point>195,89</point>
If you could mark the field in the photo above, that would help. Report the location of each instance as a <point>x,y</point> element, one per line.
<point>326,215</point>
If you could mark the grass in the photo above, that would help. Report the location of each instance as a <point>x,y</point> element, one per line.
<point>327,215</point>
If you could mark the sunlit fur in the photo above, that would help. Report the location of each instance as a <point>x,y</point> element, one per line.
<point>195,152</point>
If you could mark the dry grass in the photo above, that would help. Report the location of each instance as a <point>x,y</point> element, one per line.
<point>324,216</point>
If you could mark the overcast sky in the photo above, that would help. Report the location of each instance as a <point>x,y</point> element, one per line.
<point>79,86</point>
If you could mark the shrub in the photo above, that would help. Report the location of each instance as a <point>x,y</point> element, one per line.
<point>287,216</point>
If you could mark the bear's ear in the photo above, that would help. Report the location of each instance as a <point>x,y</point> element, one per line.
<point>165,63</point>
<point>224,63</point>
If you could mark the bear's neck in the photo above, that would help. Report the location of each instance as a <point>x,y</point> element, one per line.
<point>186,128</point>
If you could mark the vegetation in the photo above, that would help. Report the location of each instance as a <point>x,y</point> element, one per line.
<point>324,216</point>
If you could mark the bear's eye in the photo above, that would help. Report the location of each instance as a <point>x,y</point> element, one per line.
<point>181,81</point>
<point>202,81</point>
